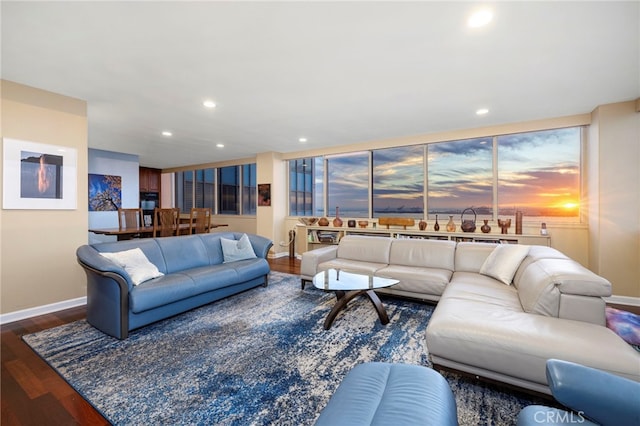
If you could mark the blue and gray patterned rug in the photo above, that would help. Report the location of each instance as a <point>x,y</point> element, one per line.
<point>258,358</point>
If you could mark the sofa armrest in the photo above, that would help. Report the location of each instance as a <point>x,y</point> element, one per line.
<point>261,245</point>
<point>108,288</point>
<point>542,283</point>
<point>602,397</point>
<point>90,258</point>
<point>311,259</point>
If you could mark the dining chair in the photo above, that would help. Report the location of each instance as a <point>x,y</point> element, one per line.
<point>200,220</point>
<point>129,218</point>
<point>166,222</point>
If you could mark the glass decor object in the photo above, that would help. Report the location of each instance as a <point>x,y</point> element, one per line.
<point>451,227</point>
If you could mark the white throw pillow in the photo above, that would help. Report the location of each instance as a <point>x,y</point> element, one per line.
<point>233,250</point>
<point>503,262</point>
<point>136,264</point>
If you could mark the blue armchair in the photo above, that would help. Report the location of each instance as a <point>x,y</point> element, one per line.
<point>594,396</point>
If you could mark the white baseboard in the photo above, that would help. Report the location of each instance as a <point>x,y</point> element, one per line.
<point>623,300</point>
<point>42,310</point>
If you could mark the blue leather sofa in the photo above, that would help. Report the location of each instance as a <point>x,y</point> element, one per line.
<point>193,275</point>
<point>594,397</point>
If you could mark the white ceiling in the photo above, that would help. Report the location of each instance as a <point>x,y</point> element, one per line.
<point>333,72</point>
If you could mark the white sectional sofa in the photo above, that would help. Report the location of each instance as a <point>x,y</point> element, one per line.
<point>548,306</point>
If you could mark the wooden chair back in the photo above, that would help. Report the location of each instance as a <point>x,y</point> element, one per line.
<point>200,220</point>
<point>130,218</point>
<point>165,222</point>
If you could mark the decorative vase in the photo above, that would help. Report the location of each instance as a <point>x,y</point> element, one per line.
<point>519,222</point>
<point>351,223</point>
<point>323,221</point>
<point>451,227</point>
<point>337,222</point>
<point>436,226</point>
<point>486,228</point>
<point>422,225</point>
<point>504,225</point>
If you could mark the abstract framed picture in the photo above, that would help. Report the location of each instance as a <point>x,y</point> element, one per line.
<point>105,193</point>
<point>264,194</point>
<point>38,176</point>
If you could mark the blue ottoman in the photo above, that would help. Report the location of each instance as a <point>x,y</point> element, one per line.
<point>391,394</point>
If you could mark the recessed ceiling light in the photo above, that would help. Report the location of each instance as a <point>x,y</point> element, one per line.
<point>480,18</point>
<point>302,140</point>
<point>220,145</point>
<point>209,104</point>
<point>482,111</point>
<point>167,133</point>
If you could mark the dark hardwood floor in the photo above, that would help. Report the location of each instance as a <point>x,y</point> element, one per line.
<point>33,393</point>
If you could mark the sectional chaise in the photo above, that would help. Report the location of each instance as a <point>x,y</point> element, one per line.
<point>502,310</point>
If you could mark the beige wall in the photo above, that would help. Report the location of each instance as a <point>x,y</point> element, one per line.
<point>270,168</point>
<point>37,247</point>
<point>613,169</point>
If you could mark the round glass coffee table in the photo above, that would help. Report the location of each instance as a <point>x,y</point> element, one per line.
<point>348,285</point>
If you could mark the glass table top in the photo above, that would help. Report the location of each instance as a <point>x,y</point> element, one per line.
<point>336,279</point>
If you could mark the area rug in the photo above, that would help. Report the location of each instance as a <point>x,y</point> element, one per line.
<point>258,358</point>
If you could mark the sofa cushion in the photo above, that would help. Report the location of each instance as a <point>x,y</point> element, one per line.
<point>365,249</point>
<point>369,268</point>
<point>423,253</point>
<point>471,256</point>
<point>183,252</point>
<point>235,250</point>
<point>250,268</point>
<point>481,288</point>
<point>212,277</point>
<point>135,263</point>
<point>503,262</point>
<point>431,281</point>
<point>161,291</point>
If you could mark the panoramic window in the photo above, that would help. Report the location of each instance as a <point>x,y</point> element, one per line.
<point>348,184</point>
<point>539,173</point>
<point>460,175</point>
<point>398,182</point>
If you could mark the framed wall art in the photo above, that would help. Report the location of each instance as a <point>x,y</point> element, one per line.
<point>264,194</point>
<point>105,193</point>
<point>38,176</point>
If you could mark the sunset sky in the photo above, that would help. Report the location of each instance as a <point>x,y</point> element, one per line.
<point>538,173</point>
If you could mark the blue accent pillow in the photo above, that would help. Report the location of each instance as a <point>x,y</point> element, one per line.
<point>235,250</point>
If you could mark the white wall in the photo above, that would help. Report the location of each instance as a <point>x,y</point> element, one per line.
<point>116,164</point>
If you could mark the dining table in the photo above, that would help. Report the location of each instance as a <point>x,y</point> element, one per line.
<point>143,231</point>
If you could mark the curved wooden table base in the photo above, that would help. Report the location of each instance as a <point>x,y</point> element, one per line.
<point>345,297</point>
